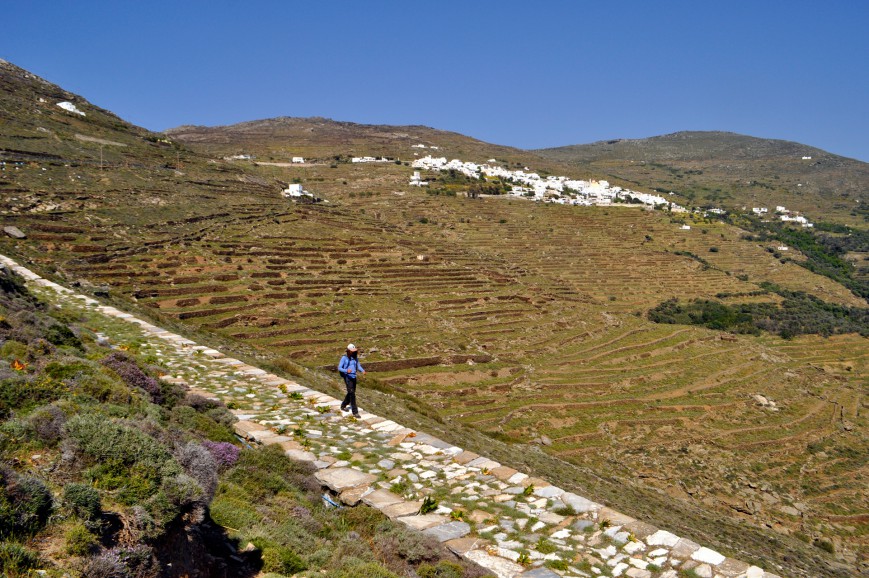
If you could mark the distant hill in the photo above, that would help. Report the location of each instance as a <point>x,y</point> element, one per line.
<point>320,139</point>
<point>732,171</point>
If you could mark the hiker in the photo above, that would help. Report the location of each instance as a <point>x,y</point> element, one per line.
<point>349,368</point>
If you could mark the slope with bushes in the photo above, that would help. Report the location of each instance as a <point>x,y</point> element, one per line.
<point>108,470</point>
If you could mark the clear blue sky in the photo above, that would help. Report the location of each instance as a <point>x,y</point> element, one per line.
<point>527,74</point>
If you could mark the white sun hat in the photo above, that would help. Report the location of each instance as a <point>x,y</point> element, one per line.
<point>352,347</point>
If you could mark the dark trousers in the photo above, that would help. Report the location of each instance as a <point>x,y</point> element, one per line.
<point>350,398</point>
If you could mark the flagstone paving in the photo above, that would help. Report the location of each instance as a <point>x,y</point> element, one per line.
<point>507,521</point>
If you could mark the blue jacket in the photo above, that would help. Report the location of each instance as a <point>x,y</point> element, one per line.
<point>348,366</point>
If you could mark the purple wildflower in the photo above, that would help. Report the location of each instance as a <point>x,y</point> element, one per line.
<point>133,375</point>
<point>224,453</point>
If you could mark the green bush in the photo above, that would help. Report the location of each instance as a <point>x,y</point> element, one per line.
<point>25,393</point>
<point>798,313</point>
<point>107,442</point>
<point>355,569</point>
<point>16,560</point>
<point>557,565</point>
<point>132,487</point>
<point>47,423</point>
<point>412,547</point>
<point>12,349</point>
<point>825,545</point>
<point>182,490</point>
<point>82,500</point>
<point>188,418</point>
<point>25,504</point>
<point>443,569</point>
<point>79,541</point>
<point>232,512</point>
<point>282,560</point>
<point>61,335</point>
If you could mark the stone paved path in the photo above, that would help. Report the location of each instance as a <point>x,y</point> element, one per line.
<point>502,519</point>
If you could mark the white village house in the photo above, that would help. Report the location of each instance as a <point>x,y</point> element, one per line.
<point>552,189</point>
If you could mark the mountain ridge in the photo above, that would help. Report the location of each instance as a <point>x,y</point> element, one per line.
<point>769,147</point>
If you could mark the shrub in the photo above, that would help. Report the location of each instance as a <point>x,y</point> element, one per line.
<point>12,349</point>
<point>26,392</point>
<point>61,335</point>
<point>225,454</point>
<point>200,403</point>
<point>16,560</point>
<point>82,500</point>
<point>106,565</point>
<point>443,569</point>
<point>180,490</point>
<point>139,560</point>
<point>357,569</point>
<point>47,423</point>
<point>429,505</point>
<point>825,545</point>
<point>232,512</point>
<point>187,418</point>
<point>199,463</point>
<point>25,504</point>
<point>113,444</point>
<point>132,374</point>
<point>282,560</point>
<point>141,524</point>
<point>79,541</point>
<point>412,547</point>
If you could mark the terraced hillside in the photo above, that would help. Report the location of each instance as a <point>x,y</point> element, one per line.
<point>732,170</point>
<point>523,320</point>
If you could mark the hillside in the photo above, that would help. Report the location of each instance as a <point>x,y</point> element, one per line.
<point>521,320</point>
<point>731,171</point>
<point>322,140</point>
<point>109,471</point>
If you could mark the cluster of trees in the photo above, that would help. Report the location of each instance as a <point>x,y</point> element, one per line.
<point>798,313</point>
<point>824,246</point>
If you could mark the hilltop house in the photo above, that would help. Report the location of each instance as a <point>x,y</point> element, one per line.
<point>369,160</point>
<point>416,180</point>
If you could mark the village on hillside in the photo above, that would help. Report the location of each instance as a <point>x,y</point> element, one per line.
<point>551,189</point>
<point>566,191</point>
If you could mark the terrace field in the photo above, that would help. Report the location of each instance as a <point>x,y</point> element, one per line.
<point>521,320</point>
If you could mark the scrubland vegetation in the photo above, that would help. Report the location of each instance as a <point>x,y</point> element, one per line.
<point>107,469</point>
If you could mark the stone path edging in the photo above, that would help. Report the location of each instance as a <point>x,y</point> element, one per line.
<point>502,519</point>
